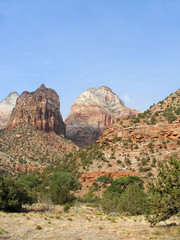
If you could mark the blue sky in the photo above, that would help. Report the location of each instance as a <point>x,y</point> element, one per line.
<point>131,46</point>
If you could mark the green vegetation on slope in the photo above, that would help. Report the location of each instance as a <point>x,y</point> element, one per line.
<point>27,145</point>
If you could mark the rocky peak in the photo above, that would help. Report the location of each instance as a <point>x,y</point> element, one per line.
<point>42,86</point>
<point>6,107</point>
<point>41,109</point>
<point>106,88</point>
<point>92,112</point>
<point>102,96</point>
<point>9,102</point>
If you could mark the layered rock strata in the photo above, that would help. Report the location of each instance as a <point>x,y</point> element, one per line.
<point>92,113</point>
<point>41,109</point>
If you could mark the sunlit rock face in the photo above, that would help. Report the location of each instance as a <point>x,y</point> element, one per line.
<point>6,107</point>
<point>41,109</point>
<point>92,113</point>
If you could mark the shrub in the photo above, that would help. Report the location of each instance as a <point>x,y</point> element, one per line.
<point>111,196</point>
<point>38,227</point>
<point>133,201</point>
<point>2,231</point>
<point>61,185</point>
<point>12,194</point>
<point>67,207</point>
<point>165,198</point>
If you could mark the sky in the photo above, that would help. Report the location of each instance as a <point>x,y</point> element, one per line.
<point>131,46</point>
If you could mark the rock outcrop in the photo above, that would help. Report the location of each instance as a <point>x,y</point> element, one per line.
<point>87,179</point>
<point>41,109</point>
<point>6,107</point>
<point>92,113</point>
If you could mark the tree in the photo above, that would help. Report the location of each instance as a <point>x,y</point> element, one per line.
<point>119,185</point>
<point>111,197</point>
<point>102,181</point>
<point>133,201</point>
<point>165,198</point>
<point>61,185</point>
<point>12,194</point>
<point>30,182</point>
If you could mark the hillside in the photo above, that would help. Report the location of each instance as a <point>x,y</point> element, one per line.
<point>128,147</point>
<point>134,145</point>
<point>24,148</point>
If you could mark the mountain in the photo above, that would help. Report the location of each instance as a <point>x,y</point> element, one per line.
<point>6,107</point>
<point>24,148</point>
<point>92,113</point>
<point>41,109</point>
<point>134,145</point>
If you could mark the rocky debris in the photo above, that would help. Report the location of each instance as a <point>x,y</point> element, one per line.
<point>41,109</point>
<point>92,112</point>
<point>6,107</point>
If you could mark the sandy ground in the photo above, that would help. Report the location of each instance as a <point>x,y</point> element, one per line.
<point>82,223</point>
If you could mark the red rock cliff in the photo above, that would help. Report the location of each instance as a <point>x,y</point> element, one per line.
<point>41,109</point>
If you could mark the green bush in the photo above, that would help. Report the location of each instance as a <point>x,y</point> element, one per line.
<point>31,183</point>
<point>133,201</point>
<point>61,185</point>
<point>165,198</point>
<point>110,202</point>
<point>119,185</point>
<point>12,194</point>
<point>111,197</point>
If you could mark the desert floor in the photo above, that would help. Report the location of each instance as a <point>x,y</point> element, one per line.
<point>82,223</point>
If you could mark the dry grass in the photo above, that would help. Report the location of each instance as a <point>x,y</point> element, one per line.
<point>87,224</point>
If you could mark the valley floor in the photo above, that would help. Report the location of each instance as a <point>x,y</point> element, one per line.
<point>82,223</point>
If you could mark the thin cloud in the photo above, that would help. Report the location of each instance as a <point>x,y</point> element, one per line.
<point>127,98</point>
<point>47,62</point>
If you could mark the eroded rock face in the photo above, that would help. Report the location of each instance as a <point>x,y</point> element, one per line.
<point>92,113</point>
<point>6,107</point>
<point>41,109</point>
<point>143,133</point>
<point>89,178</point>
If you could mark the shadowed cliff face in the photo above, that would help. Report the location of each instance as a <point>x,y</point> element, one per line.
<point>92,113</point>
<point>41,109</point>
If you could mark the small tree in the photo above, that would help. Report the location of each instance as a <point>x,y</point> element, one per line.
<point>133,201</point>
<point>12,194</point>
<point>102,181</point>
<point>61,185</point>
<point>31,183</point>
<point>119,185</point>
<point>112,195</point>
<point>165,199</point>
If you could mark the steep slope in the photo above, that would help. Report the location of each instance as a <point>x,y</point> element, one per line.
<point>6,107</point>
<point>41,109</point>
<point>23,148</point>
<point>92,113</point>
<point>134,145</point>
